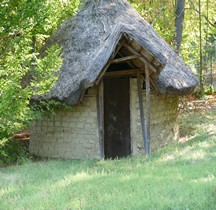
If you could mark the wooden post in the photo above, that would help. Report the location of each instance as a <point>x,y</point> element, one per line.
<point>144,132</point>
<point>147,82</point>
<point>100,116</point>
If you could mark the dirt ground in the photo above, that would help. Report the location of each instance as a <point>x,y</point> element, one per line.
<point>197,116</point>
<point>190,103</point>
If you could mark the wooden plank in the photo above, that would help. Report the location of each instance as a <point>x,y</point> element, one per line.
<point>131,72</point>
<point>123,59</point>
<point>136,45</point>
<point>151,81</point>
<point>142,117</point>
<point>117,138</point>
<point>146,55</point>
<point>153,84</point>
<point>119,46</point>
<point>100,117</point>
<point>147,82</point>
<point>128,62</point>
<point>153,68</point>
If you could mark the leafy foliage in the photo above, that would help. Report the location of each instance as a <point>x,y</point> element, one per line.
<point>160,14</point>
<point>199,31</point>
<point>190,44</point>
<point>12,152</point>
<point>25,27</point>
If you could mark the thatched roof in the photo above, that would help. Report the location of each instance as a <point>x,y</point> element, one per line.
<point>89,39</point>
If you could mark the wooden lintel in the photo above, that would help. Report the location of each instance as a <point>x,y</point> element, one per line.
<point>128,62</point>
<point>131,72</point>
<point>146,61</point>
<point>120,60</point>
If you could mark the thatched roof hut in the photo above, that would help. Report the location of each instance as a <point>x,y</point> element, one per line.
<point>113,61</point>
<point>90,38</point>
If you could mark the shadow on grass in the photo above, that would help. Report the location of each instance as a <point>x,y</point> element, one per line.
<point>119,184</point>
<point>179,177</point>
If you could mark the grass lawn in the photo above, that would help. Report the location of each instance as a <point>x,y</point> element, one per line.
<point>182,176</point>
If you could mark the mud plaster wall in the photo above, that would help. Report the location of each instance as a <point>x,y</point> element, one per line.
<point>164,127</point>
<point>74,134</point>
<point>69,134</point>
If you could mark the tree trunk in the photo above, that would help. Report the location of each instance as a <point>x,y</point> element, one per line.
<point>201,57</point>
<point>179,13</point>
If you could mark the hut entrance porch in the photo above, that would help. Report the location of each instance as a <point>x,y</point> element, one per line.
<point>117,141</point>
<point>128,60</point>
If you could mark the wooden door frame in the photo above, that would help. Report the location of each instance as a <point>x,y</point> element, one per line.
<point>100,114</point>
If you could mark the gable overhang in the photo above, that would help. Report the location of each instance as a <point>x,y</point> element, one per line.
<point>132,53</point>
<point>132,48</point>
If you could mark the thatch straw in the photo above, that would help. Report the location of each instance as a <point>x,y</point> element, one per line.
<point>89,39</point>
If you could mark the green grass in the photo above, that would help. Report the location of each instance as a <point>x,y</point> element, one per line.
<point>180,177</point>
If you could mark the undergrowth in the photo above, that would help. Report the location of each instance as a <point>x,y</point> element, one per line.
<point>13,152</point>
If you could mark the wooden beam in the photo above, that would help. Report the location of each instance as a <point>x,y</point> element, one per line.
<point>131,72</point>
<point>102,73</point>
<point>124,59</point>
<point>147,82</point>
<point>119,46</point>
<point>109,62</point>
<point>142,117</point>
<point>128,62</point>
<point>100,117</point>
<point>153,84</point>
<point>131,49</point>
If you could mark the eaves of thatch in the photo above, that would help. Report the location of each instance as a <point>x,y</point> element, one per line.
<point>89,39</point>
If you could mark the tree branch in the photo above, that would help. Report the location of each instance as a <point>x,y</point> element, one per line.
<point>206,18</point>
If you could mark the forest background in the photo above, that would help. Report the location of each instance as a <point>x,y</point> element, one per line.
<point>26,69</point>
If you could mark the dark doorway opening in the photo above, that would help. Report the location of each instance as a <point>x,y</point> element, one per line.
<point>117,141</point>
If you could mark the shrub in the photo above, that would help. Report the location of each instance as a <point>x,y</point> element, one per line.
<point>209,90</point>
<point>12,152</point>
